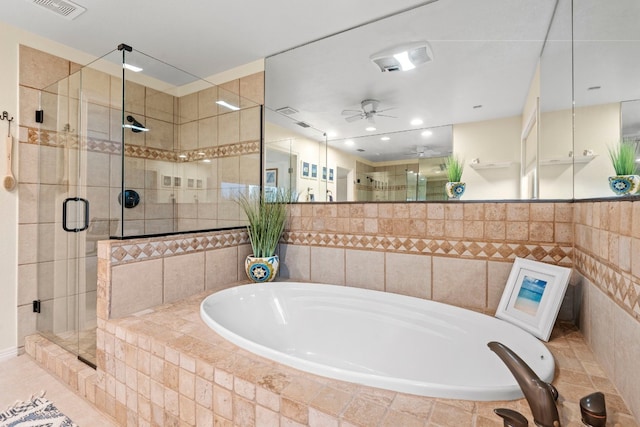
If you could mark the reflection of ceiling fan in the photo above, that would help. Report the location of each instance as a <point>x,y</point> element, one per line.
<point>369,109</point>
<point>423,152</point>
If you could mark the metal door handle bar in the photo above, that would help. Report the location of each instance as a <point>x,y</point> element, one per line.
<point>64,214</point>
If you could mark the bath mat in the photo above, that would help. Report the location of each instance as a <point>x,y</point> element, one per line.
<point>35,412</point>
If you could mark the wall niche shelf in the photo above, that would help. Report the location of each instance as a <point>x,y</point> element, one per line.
<point>567,160</point>
<point>491,165</point>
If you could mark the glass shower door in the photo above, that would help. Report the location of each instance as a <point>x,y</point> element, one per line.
<point>67,273</point>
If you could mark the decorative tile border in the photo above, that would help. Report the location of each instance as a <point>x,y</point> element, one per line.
<point>124,251</point>
<point>70,140</point>
<point>551,253</point>
<point>619,286</point>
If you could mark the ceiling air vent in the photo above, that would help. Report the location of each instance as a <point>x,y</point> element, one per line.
<point>63,8</point>
<point>403,57</point>
<point>287,111</point>
<point>303,124</point>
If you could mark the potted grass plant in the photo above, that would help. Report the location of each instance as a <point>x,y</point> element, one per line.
<point>455,187</point>
<point>266,215</point>
<point>623,159</point>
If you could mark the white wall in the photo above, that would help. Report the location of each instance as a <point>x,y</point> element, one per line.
<point>491,141</point>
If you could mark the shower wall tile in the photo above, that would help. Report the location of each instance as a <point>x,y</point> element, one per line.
<point>39,69</point>
<point>183,276</point>
<point>252,88</point>
<point>28,163</point>
<point>208,132</point>
<point>408,274</point>
<point>161,134</point>
<point>159,105</point>
<point>229,128</point>
<point>250,169</point>
<point>188,108</point>
<point>189,136</point>
<point>250,124</point>
<point>96,86</point>
<point>98,172</point>
<point>365,269</point>
<point>28,204</point>
<point>626,349</point>
<point>327,265</point>
<point>27,244</point>
<point>134,97</point>
<point>135,287</point>
<point>460,282</point>
<point>28,283</point>
<point>244,250</point>
<point>207,106</point>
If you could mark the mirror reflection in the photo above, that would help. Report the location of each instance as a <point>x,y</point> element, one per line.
<point>499,76</point>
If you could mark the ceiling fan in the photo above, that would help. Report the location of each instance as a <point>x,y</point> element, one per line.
<point>422,151</point>
<point>369,109</point>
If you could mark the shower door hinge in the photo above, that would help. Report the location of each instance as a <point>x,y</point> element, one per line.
<point>36,306</point>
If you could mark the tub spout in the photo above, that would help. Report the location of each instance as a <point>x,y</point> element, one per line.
<point>541,396</point>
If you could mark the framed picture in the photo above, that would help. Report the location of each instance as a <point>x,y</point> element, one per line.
<point>191,183</point>
<point>305,171</point>
<point>331,175</point>
<point>532,296</point>
<point>198,183</point>
<point>166,180</point>
<point>271,177</point>
<point>324,173</point>
<point>314,171</point>
<point>177,181</point>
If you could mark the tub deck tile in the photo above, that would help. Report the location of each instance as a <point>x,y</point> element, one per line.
<point>186,374</point>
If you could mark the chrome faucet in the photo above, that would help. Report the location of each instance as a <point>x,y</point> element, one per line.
<point>541,396</point>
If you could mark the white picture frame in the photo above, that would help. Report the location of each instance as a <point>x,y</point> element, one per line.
<point>532,296</point>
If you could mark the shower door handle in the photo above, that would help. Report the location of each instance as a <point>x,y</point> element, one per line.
<point>64,214</point>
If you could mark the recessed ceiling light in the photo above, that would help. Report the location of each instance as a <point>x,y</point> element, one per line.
<point>426,133</point>
<point>416,122</point>
<point>349,142</point>
<point>229,106</point>
<point>370,129</point>
<point>385,138</point>
<point>131,68</point>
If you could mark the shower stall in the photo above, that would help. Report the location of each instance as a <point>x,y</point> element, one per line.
<point>130,146</point>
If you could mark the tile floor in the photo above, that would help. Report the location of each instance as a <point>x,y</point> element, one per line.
<point>20,377</point>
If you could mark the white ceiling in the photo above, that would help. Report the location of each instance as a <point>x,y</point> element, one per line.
<point>203,37</point>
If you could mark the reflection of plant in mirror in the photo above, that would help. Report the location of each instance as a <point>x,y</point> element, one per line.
<point>266,214</point>
<point>454,166</point>
<point>623,158</point>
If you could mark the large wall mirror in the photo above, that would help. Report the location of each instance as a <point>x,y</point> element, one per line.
<point>372,113</point>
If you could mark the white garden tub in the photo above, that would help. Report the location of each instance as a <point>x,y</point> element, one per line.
<point>374,338</point>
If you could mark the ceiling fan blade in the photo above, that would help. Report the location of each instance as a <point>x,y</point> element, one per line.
<point>347,112</point>
<point>353,118</point>
<point>386,109</point>
<point>386,115</point>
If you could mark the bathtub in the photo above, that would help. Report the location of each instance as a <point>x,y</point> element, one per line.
<point>378,339</point>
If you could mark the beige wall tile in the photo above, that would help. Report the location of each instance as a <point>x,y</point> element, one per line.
<point>517,212</point>
<point>161,134</point>
<point>408,274</point>
<point>295,262</point>
<point>250,124</point>
<point>365,269</point>
<point>188,108</point>
<point>625,363</point>
<point>39,69</point>
<point>207,106</point>
<point>252,87</point>
<point>159,105</point>
<point>208,132</point>
<point>135,286</point>
<point>249,169</point>
<point>601,339</point>
<point>328,265</point>
<point>189,135</point>
<point>229,128</point>
<point>221,268</point>
<point>134,97</point>
<point>243,252</point>
<point>183,276</point>
<point>460,282</point>
<point>497,277</point>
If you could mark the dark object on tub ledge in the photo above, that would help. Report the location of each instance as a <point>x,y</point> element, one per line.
<point>593,410</point>
<point>541,396</point>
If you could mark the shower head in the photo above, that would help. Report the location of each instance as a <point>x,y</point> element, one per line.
<point>135,125</point>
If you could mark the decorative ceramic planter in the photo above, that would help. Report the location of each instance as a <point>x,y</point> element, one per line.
<point>624,184</point>
<point>261,269</point>
<point>455,190</point>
